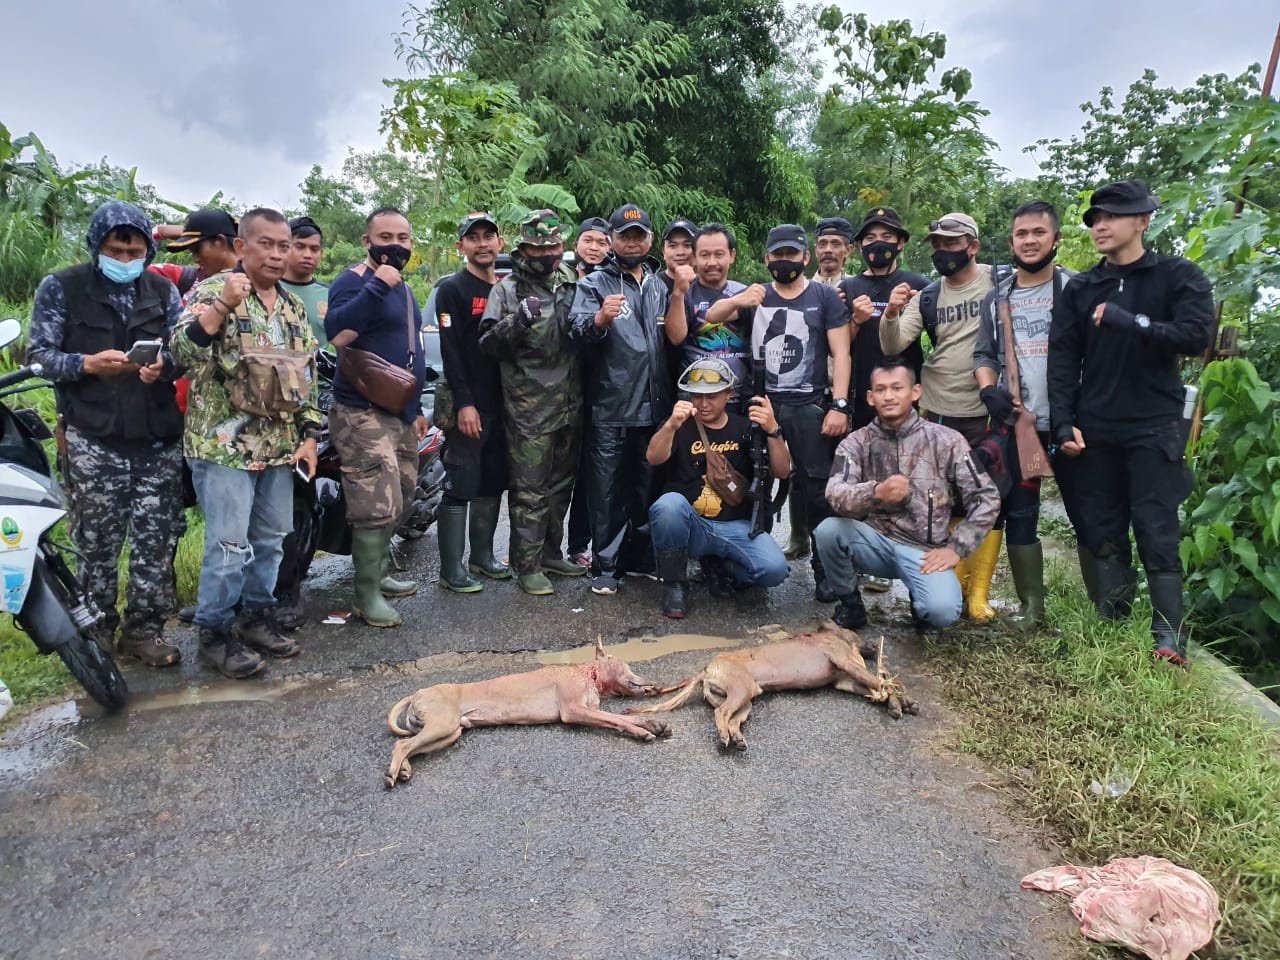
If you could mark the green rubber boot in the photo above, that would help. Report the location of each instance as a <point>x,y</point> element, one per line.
<point>1026,563</point>
<point>390,586</point>
<point>369,555</point>
<point>535,584</point>
<point>451,532</point>
<point>484,521</point>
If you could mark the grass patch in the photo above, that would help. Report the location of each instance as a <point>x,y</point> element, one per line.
<point>1055,713</point>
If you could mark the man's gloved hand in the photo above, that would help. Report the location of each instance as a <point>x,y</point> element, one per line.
<point>999,403</point>
<point>529,310</point>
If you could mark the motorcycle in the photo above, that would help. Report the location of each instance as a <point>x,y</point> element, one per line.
<point>47,600</point>
<point>319,505</point>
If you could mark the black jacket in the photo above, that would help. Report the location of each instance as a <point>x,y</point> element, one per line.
<point>627,383</point>
<point>1117,385</point>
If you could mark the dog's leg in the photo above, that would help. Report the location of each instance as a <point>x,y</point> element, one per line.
<point>647,728</point>
<point>739,689</point>
<point>688,690</point>
<point>434,736</point>
<point>862,682</point>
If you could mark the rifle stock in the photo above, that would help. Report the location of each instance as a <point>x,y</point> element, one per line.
<point>761,507</point>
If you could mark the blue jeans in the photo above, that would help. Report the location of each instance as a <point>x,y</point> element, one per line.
<point>850,547</point>
<point>247,514</point>
<point>675,525</point>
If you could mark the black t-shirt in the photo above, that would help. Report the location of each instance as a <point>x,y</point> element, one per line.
<point>473,377</point>
<point>794,336</point>
<point>686,471</point>
<point>866,346</point>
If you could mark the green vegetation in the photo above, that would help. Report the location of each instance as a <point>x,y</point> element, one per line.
<point>1055,713</point>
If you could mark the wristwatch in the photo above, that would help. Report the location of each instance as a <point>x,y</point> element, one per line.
<point>840,404</point>
<point>773,434</point>
<point>1142,321</point>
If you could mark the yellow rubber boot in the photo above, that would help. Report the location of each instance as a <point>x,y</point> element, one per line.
<point>961,569</point>
<point>982,567</point>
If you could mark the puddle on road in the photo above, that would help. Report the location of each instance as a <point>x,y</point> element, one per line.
<point>231,692</point>
<point>639,648</point>
<point>39,739</point>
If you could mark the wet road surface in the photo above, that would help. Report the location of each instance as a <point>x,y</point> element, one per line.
<point>248,819</point>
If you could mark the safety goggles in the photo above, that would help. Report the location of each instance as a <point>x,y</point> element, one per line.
<point>706,376</point>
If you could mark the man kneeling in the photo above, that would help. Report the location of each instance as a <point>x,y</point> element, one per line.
<point>705,513</point>
<point>897,478</point>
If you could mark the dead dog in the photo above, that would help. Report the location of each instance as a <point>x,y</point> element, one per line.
<point>435,717</point>
<point>830,657</point>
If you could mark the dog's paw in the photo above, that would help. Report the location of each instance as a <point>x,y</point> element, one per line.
<point>659,728</point>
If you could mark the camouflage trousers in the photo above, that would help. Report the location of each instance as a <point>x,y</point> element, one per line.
<point>379,454</point>
<point>138,495</point>
<point>543,469</point>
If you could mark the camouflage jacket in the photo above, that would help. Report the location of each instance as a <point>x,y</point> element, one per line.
<point>216,431</point>
<point>936,461</point>
<point>541,378</point>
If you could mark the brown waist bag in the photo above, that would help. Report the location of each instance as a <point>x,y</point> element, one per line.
<point>728,483</point>
<point>382,383</point>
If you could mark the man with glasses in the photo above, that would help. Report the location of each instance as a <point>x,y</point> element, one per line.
<point>949,310</point>
<point>701,518</point>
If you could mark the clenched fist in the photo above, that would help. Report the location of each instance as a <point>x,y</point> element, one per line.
<point>894,491</point>
<point>236,290</point>
<point>751,297</point>
<point>863,308</point>
<point>610,308</point>
<point>683,275</point>
<point>681,412</point>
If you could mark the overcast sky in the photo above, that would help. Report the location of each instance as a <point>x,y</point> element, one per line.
<point>244,96</point>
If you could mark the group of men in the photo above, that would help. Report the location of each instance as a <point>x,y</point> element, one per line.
<point>598,384</point>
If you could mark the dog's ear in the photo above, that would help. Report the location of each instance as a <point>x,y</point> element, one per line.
<point>600,654</point>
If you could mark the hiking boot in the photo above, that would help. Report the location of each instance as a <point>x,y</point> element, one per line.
<point>290,616</point>
<point>259,631</point>
<point>481,527</point>
<point>554,563</point>
<point>149,646</point>
<point>850,612</point>
<point>673,568</point>
<point>720,582</point>
<point>451,531</point>
<point>536,584</point>
<point>227,655</point>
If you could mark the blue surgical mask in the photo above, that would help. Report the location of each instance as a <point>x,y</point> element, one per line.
<point>118,272</point>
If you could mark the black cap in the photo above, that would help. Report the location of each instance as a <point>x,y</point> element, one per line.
<point>1126,198</point>
<point>593,225</point>
<point>303,227</point>
<point>885,217</point>
<point>838,226</point>
<point>627,216</point>
<point>204,225</point>
<point>788,236</point>
<point>471,219</point>
<point>679,224</point>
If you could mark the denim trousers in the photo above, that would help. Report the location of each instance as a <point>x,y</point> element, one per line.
<point>675,525</point>
<point>247,514</point>
<point>851,547</point>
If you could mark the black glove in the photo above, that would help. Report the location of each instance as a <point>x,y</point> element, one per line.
<point>999,403</point>
<point>529,310</point>
<point>1118,317</point>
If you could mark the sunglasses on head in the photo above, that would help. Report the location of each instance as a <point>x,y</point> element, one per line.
<point>948,224</point>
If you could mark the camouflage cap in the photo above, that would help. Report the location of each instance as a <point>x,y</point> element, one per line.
<point>541,229</point>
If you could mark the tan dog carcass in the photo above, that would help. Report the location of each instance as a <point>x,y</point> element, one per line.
<point>435,717</point>
<point>830,657</point>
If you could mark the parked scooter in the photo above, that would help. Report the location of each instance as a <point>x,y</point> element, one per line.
<point>46,599</point>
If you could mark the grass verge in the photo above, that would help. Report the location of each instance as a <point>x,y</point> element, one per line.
<point>1056,712</point>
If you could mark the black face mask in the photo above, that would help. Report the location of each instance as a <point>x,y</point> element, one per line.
<point>580,264</point>
<point>543,265</point>
<point>630,263</point>
<point>785,271</point>
<point>1038,265</point>
<point>950,262</point>
<point>392,254</point>
<point>879,254</point>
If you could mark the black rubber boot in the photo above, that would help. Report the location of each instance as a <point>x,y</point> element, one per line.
<point>798,546</point>
<point>451,533</point>
<point>1115,582</point>
<point>673,568</point>
<point>1026,563</point>
<point>1166,617</point>
<point>1088,571</point>
<point>484,521</point>
<point>850,612</point>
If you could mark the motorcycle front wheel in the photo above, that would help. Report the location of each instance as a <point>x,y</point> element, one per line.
<point>95,671</point>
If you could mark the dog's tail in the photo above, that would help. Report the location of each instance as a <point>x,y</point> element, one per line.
<point>688,690</point>
<point>399,719</point>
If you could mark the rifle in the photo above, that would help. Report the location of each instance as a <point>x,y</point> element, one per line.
<point>64,461</point>
<point>1032,459</point>
<point>764,506</point>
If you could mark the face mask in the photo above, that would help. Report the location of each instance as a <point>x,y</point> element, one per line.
<point>950,262</point>
<point>118,272</point>
<point>630,263</point>
<point>543,265</point>
<point>1038,265</point>
<point>879,254</point>
<point>785,271</point>
<point>392,254</point>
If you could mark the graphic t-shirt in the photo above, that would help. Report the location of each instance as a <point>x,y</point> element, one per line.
<point>729,341</point>
<point>315,297</point>
<point>687,468</point>
<point>794,336</point>
<point>1030,309</point>
<point>473,376</point>
<point>866,345</point>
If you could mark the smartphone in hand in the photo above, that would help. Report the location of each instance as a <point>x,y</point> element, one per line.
<point>144,352</point>
<point>300,468</point>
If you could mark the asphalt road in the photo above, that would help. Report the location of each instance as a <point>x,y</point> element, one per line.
<point>249,819</point>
